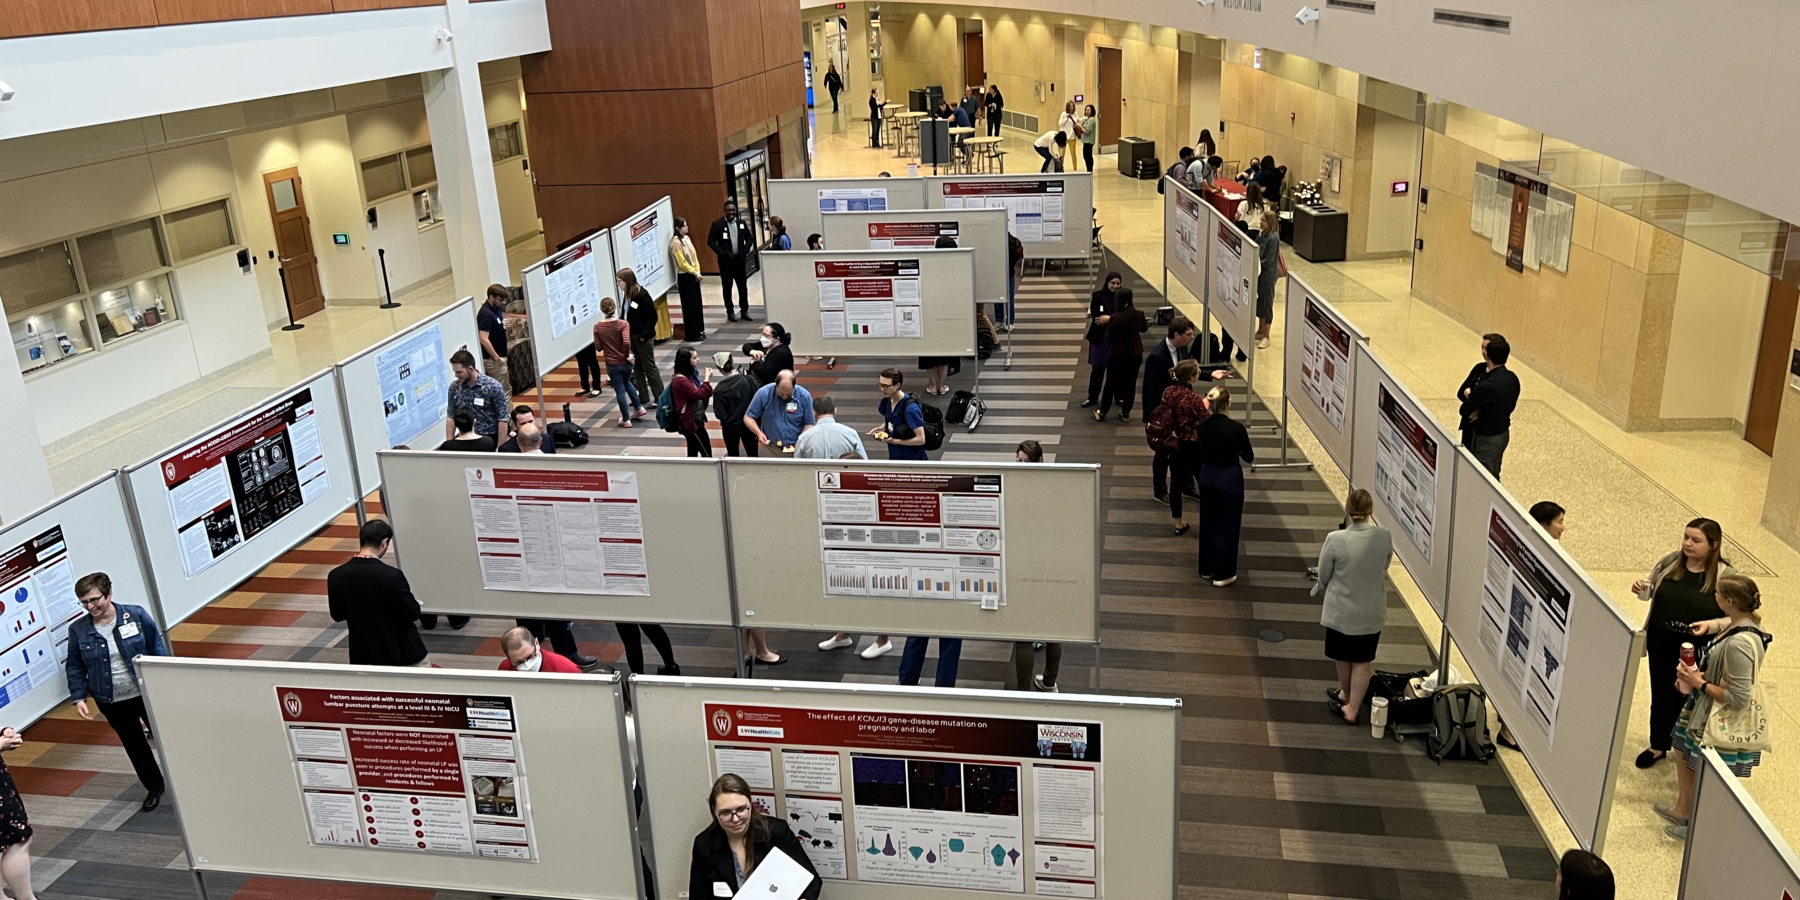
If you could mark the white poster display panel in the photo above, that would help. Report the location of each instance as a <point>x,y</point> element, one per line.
<point>1323,370</point>
<point>853,200</point>
<point>1187,240</point>
<point>1407,462</point>
<point>1232,294</point>
<point>1051,214</point>
<point>1733,850</point>
<point>869,298</point>
<point>558,530</point>
<point>980,230</point>
<point>641,244</point>
<point>928,536</point>
<point>802,202</point>
<point>395,393</point>
<point>873,303</point>
<point>562,298</point>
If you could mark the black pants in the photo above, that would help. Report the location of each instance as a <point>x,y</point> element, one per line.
<point>693,307</point>
<point>1183,467</point>
<point>1048,159</point>
<point>1170,464</point>
<point>738,436</point>
<point>875,132</point>
<point>128,720</point>
<point>634,645</point>
<point>591,373</point>
<point>1121,383</point>
<point>429,620</point>
<point>834,107</point>
<point>1221,519</point>
<point>1087,154</point>
<point>993,123</point>
<point>644,372</point>
<point>698,443</point>
<point>558,633</point>
<point>1023,658</point>
<point>1664,650</point>
<point>733,273</point>
<point>1096,381</point>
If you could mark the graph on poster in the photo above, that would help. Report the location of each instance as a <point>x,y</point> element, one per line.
<point>38,588</point>
<point>1325,362</point>
<point>1034,209</point>
<point>926,536</point>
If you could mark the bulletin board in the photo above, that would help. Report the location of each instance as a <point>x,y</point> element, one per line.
<point>1733,850</point>
<point>1407,462</point>
<point>1052,213</point>
<point>796,286</point>
<point>562,298</point>
<point>1187,238</point>
<point>801,202</point>
<point>981,230</point>
<point>1231,283</point>
<point>396,391</point>
<point>641,244</point>
<point>1319,369</point>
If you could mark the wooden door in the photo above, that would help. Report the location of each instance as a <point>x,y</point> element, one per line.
<point>1771,367</point>
<point>974,61</point>
<point>293,242</point>
<point>1111,98</point>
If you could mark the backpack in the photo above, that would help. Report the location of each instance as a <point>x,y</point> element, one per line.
<point>934,422</point>
<point>566,434</point>
<point>666,418</point>
<point>1159,429</point>
<point>1459,725</point>
<point>959,407</point>
<point>1176,172</point>
<point>1403,711</point>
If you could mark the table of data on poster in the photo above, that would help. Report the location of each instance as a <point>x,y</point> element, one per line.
<point>414,376</point>
<point>910,235</point>
<point>1406,471</point>
<point>869,298</point>
<point>409,772</point>
<point>1325,362</point>
<point>233,485</point>
<point>920,535</point>
<point>1034,209</point>
<point>572,289</point>
<point>1228,268</point>
<point>1187,229</point>
<point>983,803</point>
<point>558,530</point>
<point>1524,625</point>
<point>853,200</point>
<point>38,589</point>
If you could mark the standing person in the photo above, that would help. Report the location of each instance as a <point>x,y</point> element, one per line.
<point>1725,677</point>
<point>640,314</point>
<point>525,653</point>
<point>829,439</point>
<point>1268,250</point>
<point>1024,652</point>
<point>1270,177</point>
<point>1068,124</point>
<point>780,241</point>
<point>588,362</point>
<point>1682,589</point>
<point>1204,144</point>
<point>690,390</point>
<point>730,240</point>
<point>490,322</point>
<point>780,411</point>
<point>102,647</point>
<point>687,282</point>
<point>613,338</point>
<point>1159,376</point>
<point>731,398</point>
<point>524,419</point>
<point>1090,129</point>
<point>1187,409</point>
<point>874,120</point>
<point>996,107</point>
<point>1353,564</point>
<point>480,394</point>
<point>376,602</point>
<point>1100,307</point>
<point>815,241</point>
<point>1125,356</point>
<point>15,826</point>
<point>1489,395</point>
<point>1050,146</point>
<point>1015,270</point>
<point>770,353</point>
<point>833,83</point>
<point>1250,209</point>
<point>462,422</point>
<point>738,839</point>
<point>1221,442</point>
<point>903,422</point>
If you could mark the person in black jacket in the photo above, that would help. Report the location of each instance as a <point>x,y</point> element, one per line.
<point>996,109</point>
<point>1271,177</point>
<point>738,840</point>
<point>833,83</point>
<point>640,314</point>
<point>376,601</point>
<point>770,354</point>
<point>874,120</point>
<point>1489,395</point>
<point>731,398</point>
<point>730,240</point>
<point>1221,442</point>
<point>1124,331</point>
<point>1157,365</point>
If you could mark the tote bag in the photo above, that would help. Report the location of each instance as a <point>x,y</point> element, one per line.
<point>1743,729</point>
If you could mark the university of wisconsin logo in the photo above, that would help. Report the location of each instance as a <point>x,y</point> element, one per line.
<point>721,723</point>
<point>290,701</point>
<point>821,269</point>
<point>169,469</point>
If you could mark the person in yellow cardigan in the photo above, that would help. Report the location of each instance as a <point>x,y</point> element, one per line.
<point>687,281</point>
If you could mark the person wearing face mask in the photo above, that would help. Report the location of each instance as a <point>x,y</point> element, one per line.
<point>525,654</point>
<point>687,282</point>
<point>769,354</point>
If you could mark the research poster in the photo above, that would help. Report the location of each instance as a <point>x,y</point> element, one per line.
<point>409,772</point>
<point>1325,362</point>
<point>910,235</point>
<point>650,247</point>
<point>558,531</point>
<point>572,289</point>
<point>1187,230</point>
<point>1524,624</point>
<point>1406,470</point>
<point>1034,209</point>
<point>905,534</point>
<point>980,803</point>
<point>1233,285</point>
<point>38,590</point>
<point>413,375</point>
<point>233,485</point>
<point>853,200</point>
<point>869,298</point>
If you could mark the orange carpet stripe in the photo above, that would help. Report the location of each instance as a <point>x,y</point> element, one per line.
<point>74,731</point>
<point>215,649</point>
<point>50,782</point>
<point>226,615</point>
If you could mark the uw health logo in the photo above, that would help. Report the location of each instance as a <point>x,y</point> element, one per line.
<point>721,723</point>
<point>290,701</point>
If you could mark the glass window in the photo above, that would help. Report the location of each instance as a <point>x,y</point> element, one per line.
<point>119,253</point>
<point>49,335</point>
<point>421,169</point>
<point>285,198</point>
<point>198,230</point>
<point>505,141</point>
<point>36,277</point>
<point>383,177</point>
<point>139,306</point>
<point>426,207</point>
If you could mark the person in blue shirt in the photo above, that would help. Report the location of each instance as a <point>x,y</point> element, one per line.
<point>903,429</point>
<point>491,325</point>
<point>780,412</point>
<point>960,118</point>
<point>102,647</point>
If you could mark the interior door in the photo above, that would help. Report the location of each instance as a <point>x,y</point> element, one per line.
<point>293,242</point>
<point>1772,362</point>
<point>1111,97</point>
<point>974,61</point>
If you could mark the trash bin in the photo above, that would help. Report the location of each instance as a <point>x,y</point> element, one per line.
<point>1133,149</point>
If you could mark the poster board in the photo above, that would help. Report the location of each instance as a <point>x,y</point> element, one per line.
<point>654,550</point>
<point>980,230</point>
<point>1231,288</point>
<point>238,740</point>
<point>562,298</point>
<point>1733,850</point>
<point>41,555</point>
<point>641,244</point>
<point>1052,213</point>
<point>815,297</point>
<point>218,507</point>
<point>396,392</point>
<point>1408,464</point>
<point>1512,587</point>
<point>1187,246</point>
<point>1132,854</point>
<point>1029,527</point>
<point>1319,368</point>
<point>801,202</point>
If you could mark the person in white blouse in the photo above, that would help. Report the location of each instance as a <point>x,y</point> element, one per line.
<point>1068,124</point>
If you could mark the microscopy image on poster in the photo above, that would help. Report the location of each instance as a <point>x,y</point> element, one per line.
<point>1325,362</point>
<point>1524,625</point>
<point>558,530</point>
<point>926,536</point>
<point>412,375</point>
<point>1406,470</point>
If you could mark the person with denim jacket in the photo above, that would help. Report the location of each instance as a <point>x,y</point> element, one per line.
<point>99,665</point>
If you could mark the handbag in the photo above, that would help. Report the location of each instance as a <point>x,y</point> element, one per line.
<point>1743,729</point>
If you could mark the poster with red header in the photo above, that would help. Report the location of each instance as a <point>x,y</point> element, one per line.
<point>409,772</point>
<point>869,298</point>
<point>235,484</point>
<point>1325,362</point>
<point>558,530</point>
<point>1034,209</point>
<point>920,535</point>
<point>1406,469</point>
<point>37,604</point>
<point>910,235</point>
<point>985,803</point>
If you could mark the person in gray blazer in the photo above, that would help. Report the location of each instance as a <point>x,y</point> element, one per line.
<point>1353,567</point>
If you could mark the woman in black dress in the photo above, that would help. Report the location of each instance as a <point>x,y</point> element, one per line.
<point>1125,356</point>
<point>1221,442</point>
<point>15,827</point>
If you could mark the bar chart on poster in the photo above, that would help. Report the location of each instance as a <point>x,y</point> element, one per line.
<point>889,534</point>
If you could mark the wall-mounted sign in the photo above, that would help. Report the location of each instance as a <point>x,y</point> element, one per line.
<point>340,238</point>
<point>1400,187</point>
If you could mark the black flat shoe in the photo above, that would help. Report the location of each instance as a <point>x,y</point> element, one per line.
<point>1182,530</point>
<point>1337,710</point>
<point>668,670</point>
<point>1506,740</point>
<point>153,801</point>
<point>1087,403</point>
<point>1648,758</point>
<point>1335,695</point>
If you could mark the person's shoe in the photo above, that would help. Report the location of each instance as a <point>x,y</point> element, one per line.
<point>1037,684</point>
<point>702,337</point>
<point>1662,809</point>
<point>778,660</point>
<point>585,663</point>
<point>1648,758</point>
<point>428,626</point>
<point>153,801</point>
<point>1124,418</point>
<point>730,316</point>
<point>1241,357</point>
<point>641,412</point>
<point>1225,582</point>
<point>1678,832</point>
<point>1099,416</point>
<point>457,623</point>
<point>877,651</point>
<point>668,670</point>
<point>1087,403</point>
<point>1162,498</point>
<point>1183,529</point>
<point>837,643</point>
<point>1262,343</point>
<point>624,423</point>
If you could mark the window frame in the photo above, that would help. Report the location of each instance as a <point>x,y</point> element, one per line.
<point>399,157</point>
<point>518,128</point>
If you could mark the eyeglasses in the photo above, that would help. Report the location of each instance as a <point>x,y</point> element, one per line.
<point>95,600</point>
<point>734,814</point>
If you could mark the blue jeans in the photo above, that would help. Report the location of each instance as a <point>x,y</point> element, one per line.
<point>1005,312</point>
<point>912,660</point>
<point>620,376</point>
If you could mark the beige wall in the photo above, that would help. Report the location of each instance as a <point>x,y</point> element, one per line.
<point>923,47</point>
<point>1269,114</point>
<point>252,155</point>
<point>1781,506</point>
<point>1154,82</point>
<point>1394,157</point>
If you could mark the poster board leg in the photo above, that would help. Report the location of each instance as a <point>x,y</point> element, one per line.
<point>743,660</point>
<point>145,570</point>
<point>1283,432</point>
<point>199,884</point>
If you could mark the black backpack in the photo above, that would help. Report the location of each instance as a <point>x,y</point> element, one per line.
<point>566,434</point>
<point>959,408</point>
<point>934,422</point>
<point>1459,725</point>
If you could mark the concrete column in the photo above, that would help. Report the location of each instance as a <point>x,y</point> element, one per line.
<point>27,483</point>
<point>465,165</point>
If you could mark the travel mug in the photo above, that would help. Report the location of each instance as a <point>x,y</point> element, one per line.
<point>1378,712</point>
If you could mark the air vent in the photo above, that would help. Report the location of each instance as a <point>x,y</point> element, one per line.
<point>1481,21</point>
<point>1361,6</point>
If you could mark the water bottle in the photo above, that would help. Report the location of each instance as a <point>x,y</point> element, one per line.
<point>1378,712</point>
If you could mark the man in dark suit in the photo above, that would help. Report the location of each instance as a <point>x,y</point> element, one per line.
<point>730,239</point>
<point>1168,352</point>
<point>522,416</point>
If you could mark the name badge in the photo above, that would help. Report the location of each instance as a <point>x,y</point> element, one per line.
<point>793,407</point>
<point>721,889</point>
<point>128,630</point>
<point>480,401</point>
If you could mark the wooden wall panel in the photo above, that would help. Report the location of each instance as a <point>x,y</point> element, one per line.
<point>569,210</point>
<point>180,12</point>
<point>624,137</point>
<point>22,18</point>
<point>360,5</point>
<point>781,35</point>
<point>622,45</point>
<point>734,35</point>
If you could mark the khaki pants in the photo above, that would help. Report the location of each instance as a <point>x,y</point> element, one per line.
<point>496,369</point>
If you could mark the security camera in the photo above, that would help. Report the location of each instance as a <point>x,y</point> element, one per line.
<point>444,36</point>
<point>6,92</point>
<point>1306,15</point>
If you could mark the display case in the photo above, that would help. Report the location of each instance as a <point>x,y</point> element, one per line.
<point>49,335</point>
<point>747,183</point>
<point>139,306</point>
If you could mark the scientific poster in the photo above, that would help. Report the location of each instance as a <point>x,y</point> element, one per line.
<point>650,247</point>
<point>1034,209</point>
<point>904,534</point>
<point>1187,229</point>
<point>409,772</point>
<point>853,200</point>
<point>232,486</point>
<point>1325,362</point>
<point>910,235</point>
<point>558,531</point>
<point>39,592</point>
<point>572,288</point>
<point>1406,470</point>
<point>1524,624</point>
<point>1233,286</point>
<point>410,374</point>
<point>986,803</point>
<point>869,298</point>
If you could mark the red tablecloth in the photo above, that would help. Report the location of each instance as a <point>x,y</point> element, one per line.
<point>1224,201</point>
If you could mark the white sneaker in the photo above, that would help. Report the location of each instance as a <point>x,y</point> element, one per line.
<point>1039,685</point>
<point>1262,343</point>
<point>1227,582</point>
<point>836,643</point>
<point>877,651</point>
